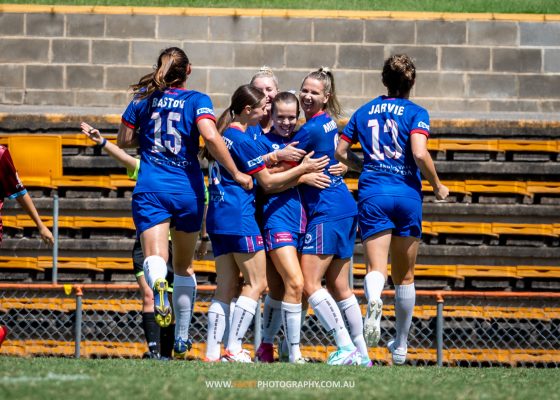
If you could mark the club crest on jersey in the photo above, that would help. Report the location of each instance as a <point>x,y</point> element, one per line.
<point>275,146</point>
<point>308,238</point>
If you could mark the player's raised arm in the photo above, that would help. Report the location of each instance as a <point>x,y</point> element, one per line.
<point>125,159</point>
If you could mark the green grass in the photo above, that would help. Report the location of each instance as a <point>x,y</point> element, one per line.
<point>477,6</point>
<point>56,378</point>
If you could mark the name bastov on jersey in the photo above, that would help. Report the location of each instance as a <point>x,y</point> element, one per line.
<point>383,127</point>
<point>231,208</point>
<point>169,139</point>
<point>320,133</point>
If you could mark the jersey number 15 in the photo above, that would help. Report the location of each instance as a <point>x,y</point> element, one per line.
<point>172,141</point>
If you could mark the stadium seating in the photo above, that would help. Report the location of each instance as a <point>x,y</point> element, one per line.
<point>39,164</point>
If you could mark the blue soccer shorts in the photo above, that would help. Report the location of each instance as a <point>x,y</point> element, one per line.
<point>279,237</point>
<point>224,244</point>
<point>331,237</point>
<point>185,211</point>
<point>402,215</point>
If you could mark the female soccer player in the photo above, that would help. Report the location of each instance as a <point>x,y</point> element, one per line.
<point>331,226</point>
<point>236,239</point>
<point>393,132</point>
<point>165,120</point>
<point>265,80</point>
<point>160,341</point>
<point>12,188</point>
<point>284,221</point>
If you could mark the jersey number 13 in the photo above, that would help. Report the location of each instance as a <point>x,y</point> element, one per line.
<point>395,151</point>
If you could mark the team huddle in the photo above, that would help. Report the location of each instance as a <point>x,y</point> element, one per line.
<point>279,215</point>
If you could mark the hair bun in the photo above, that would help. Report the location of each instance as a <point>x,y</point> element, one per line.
<point>265,69</point>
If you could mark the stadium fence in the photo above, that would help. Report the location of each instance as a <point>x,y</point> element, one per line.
<point>449,328</point>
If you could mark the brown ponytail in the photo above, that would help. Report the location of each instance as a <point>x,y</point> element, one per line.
<point>244,95</point>
<point>170,71</point>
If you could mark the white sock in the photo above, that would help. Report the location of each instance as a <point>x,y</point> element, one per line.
<point>155,268</point>
<point>231,308</point>
<point>272,319</point>
<point>218,316</point>
<point>291,316</point>
<point>245,309</point>
<point>184,293</point>
<point>405,298</point>
<point>327,312</point>
<point>374,283</point>
<point>284,346</point>
<point>352,314</point>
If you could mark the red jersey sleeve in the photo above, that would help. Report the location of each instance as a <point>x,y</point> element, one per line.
<point>10,184</point>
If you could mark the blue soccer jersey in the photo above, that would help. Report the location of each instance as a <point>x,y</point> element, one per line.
<point>169,139</point>
<point>282,210</point>
<point>383,127</point>
<point>255,131</point>
<point>320,134</point>
<point>231,209</point>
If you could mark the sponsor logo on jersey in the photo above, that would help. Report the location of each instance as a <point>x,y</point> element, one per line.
<point>282,237</point>
<point>255,161</point>
<point>229,142</point>
<point>424,125</point>
<point>216,197</point>
<point>204,110</point>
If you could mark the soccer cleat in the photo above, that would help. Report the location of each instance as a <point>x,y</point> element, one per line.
<point>265,353</point>
<point>372,322</point>
<point>398,354</point>
<point>3,333</point>
<point>210,360</point>
<point>367,363</point>
<point>151,355</point>
<point>348,355</point>
<point>242,357</point>
<point>181,347</point>
<point>162,308</point>
<point>300,360</point>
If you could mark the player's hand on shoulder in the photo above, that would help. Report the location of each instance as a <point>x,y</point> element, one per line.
<point>291,153</point>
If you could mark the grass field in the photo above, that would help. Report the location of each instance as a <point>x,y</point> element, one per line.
<point>476,6</point>
<point>56,378</point>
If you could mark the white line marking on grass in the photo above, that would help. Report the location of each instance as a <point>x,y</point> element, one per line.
<point>49,377</point>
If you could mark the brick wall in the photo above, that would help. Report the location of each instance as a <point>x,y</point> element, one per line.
<point>84,56</point>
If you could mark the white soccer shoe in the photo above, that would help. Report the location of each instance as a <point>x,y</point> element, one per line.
<point>398,354</point>
<point>372,322</point>
<point>241,357</point>
<point>345,356</point>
